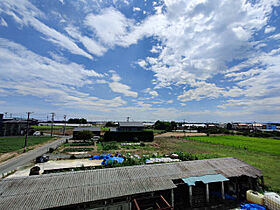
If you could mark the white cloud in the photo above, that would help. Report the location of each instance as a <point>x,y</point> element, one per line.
<point>142,63</point>
<point>118,87</point>
<point>3,22</point>
<point>89,43</point>
<point>202,90</point>
<point>110,26</point>
<point>26,73</point>
<point>151,92</point>
<point>136,9</point>
<point>269,29</point>
<point>30,17</point>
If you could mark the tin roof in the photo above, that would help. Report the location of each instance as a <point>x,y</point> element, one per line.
<point>131,124</point>
<point>205,179</point>
<point>87,129</point>
<point>62,189</point>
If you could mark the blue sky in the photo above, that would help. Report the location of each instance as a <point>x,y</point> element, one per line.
<point>195,60</point>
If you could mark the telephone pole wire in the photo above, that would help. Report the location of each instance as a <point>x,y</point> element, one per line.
<point>52,123</point>
<point>27,130</point>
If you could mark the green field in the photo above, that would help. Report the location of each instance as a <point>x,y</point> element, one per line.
<point>48,127</point>
<point>12,144</point>
<point>266,145</point>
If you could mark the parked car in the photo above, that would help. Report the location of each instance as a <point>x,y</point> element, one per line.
<point>37,133</point>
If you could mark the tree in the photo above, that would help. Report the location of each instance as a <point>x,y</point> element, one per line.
<point>167,126</point>
<point>77,120</point>
<point>110,124</point>
<point>84,135</point>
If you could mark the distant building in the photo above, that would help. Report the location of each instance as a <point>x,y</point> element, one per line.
<point>194,125</point>
<point>182,185</point>
<point>240,126</point>
<point>63,124</point>
<point>95,131</point>
<point>130,126</point>
<point>17,127</point>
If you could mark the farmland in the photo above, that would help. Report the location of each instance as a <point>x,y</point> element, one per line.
<point>264,145</point>
<point>12,144</point>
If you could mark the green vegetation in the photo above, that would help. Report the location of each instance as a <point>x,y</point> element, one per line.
<point>81,144</point>
<point>48,127</point>
<point>77,149</point>
<point>77,121</point>
<point>110,145</point>
<point>165,125</point>
<point>105,129</point>
<point>266,145</point>
<point>83,135</point>
<point>12,144</point>
<point>155,131</point>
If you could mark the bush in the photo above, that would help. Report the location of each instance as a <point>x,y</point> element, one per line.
<point>83,135</point>
<point>133,136</point>
<point>110,146</point>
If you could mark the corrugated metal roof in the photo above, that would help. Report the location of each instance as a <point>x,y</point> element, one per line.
<point>87,129</point>
<point>131,124</point>
<point>205,179</point>
<point>53,190</point>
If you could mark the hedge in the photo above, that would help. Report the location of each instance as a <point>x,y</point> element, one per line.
<point>131,136</point>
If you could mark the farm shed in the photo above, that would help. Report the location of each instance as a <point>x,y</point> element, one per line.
<point>133,187</point>
<point>17,127</point>
<point>94,130</point>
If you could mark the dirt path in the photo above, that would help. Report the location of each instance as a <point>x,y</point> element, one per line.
<point>179,134</point>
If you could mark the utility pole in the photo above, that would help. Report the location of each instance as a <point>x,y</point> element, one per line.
<point>52,123</point>
<point>127,119</point>
<point>64,130</point>
<point>27,130</point>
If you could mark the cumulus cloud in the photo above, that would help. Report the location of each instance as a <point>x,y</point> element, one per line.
<point>118,87</point>
<point>151,92</point>
<point>110,26</point>
<point>269,29</point>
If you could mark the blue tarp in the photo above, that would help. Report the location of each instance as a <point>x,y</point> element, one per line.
<point>190,181</point>
<point>252,206</point>
<point>219,195</point>
<point>108,158</point>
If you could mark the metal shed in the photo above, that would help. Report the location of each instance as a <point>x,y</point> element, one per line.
<point>73,188</point>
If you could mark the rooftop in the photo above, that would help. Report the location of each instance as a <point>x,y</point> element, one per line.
<point>87,129</point>
<point>53,190</point>
<point>131,124</point>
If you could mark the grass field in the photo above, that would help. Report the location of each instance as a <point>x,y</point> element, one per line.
<point>266,145</point>
<point>48,127</point>
<point>12,144</point>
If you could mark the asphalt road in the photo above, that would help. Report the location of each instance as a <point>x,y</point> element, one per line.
<point>29,156</point>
